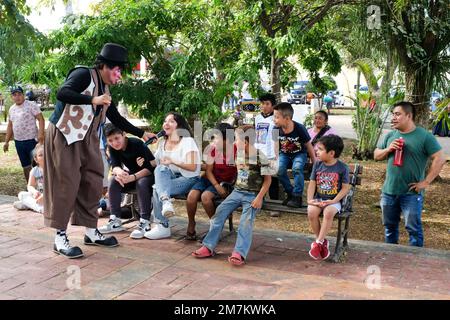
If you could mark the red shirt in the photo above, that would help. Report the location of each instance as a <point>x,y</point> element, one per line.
<point>224,170</point>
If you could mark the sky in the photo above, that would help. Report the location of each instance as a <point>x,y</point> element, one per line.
<point>46,19</point>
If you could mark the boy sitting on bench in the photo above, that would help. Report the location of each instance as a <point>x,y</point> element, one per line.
<point>328,185</point>
<point>253,181</point>
<point>294,145</point>
<point>124,152</point>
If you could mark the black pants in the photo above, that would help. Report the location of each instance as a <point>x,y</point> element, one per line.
<point>144,191</point>
<point>274,191</point>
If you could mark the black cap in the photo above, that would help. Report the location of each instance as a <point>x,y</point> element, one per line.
<point>113,53</point>
<point>16,89</point>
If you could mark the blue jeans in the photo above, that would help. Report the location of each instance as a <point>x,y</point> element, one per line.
<point>168,184</point>
<point>245,231</point>
<point>297,163</point>
<point>392,206</point>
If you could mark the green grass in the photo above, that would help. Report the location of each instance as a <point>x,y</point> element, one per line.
<point>12,181</point>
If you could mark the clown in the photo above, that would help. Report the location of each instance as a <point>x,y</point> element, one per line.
<point>73,163</point>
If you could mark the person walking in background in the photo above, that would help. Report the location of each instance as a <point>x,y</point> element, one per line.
<point>22,125</point>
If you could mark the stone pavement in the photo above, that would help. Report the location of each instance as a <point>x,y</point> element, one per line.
<point>164,269</point>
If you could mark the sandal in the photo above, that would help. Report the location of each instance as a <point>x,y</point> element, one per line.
<point>236,259</point>
<point>191,236</point>
<point>203,252</point>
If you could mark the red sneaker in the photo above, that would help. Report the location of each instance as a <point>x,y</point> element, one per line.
<point>325,253</point>
<point>315,252</point>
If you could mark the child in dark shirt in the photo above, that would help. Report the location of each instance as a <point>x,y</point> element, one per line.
<point>294,144</point>
<point>128,175</point>
<point>328,185</point>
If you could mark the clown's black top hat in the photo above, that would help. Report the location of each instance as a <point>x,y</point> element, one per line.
<point>113,54</point>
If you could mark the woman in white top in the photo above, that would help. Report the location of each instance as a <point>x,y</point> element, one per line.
<point>179,162</point>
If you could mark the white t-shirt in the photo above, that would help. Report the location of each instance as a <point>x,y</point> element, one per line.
<point>186,145</point>
<point>23,120</point>
<point>264,131</point>
<point>38,174</point>
<point>245,93</point>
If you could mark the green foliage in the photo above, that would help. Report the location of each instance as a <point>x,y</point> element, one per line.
<point>368,123</point>
<point>309,120</point>
<point>182,59</point>
<point>419,30</point>
<point>442,112</point>
<point>321,85</point>
<point>196,49</point>
<point>366,68</point>
<point>17,39</point>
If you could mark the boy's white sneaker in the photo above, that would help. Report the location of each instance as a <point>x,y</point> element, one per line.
<point>141,229</point>
<point>113,225</point>
<point>158,232</point>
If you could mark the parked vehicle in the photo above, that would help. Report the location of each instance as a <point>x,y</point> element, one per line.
<point>363,89</point>
<point>297,96</point>
<point>300,84</point>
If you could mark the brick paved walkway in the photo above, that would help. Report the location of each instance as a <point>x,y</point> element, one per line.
<point>164,269</point>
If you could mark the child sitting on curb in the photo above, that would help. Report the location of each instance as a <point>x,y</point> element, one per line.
<point>33,198</point>
<point>328,185</point>
<point>253,182</point>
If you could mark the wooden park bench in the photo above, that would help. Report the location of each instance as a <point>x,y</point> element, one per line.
<point>343,216</point>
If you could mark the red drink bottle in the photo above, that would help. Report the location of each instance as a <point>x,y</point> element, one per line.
<point>398,157</point>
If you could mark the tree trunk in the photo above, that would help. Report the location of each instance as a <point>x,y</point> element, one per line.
<point>388,75</point>
<point>418,91</point>
<point>358,84</point>
<point>275,77</point>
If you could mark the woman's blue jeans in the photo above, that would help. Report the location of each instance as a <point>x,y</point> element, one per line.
<point>167,185</point>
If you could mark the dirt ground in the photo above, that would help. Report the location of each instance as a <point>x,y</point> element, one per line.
<point>364,225</point>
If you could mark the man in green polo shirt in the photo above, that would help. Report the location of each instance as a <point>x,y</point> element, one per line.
<point>404,185</point>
